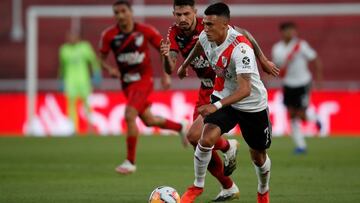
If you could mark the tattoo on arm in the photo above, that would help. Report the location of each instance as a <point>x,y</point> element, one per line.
<point>173,55</point>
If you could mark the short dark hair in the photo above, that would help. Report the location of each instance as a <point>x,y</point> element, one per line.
<point>122,2</point>
<point>286,25</point>
<point>219,9</point>
<point>184,3</point>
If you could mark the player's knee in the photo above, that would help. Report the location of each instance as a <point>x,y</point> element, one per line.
<point>193,137</point>
<point>206,142</point>
<point>130,116</point>
<point>258,157</point>
<point>148,122</point>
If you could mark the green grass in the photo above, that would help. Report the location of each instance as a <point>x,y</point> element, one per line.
<point>81,169</point>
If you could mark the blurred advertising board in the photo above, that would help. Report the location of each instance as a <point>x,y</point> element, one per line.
<point>338,112</point>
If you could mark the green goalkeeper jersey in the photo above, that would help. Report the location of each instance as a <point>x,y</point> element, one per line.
<point>74,61</point>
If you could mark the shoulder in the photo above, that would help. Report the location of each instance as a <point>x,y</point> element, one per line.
<point>111,30</point>
<point>145,27</point>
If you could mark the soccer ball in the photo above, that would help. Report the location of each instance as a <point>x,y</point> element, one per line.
<point>164,194</point>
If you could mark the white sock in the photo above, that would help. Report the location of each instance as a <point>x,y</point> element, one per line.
<point>311,115</point>
<point>202,158</point>
<point>297,135</point>
<point>263,175</point>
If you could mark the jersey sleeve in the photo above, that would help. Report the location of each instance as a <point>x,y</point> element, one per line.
<point>202,38</point>
<point>308,52</point>
<point>154,36</point>
<point>91,56</point>
<point>104,44</point>
<point>173,44</point>
<point>244,59</point>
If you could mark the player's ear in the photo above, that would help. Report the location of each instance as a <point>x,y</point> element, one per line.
<point>173,13</point>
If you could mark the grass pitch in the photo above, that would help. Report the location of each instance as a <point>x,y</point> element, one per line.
<point>81,169</point>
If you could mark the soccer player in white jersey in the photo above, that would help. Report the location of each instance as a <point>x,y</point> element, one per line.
<point>292,55</point>
<point>239,98</point>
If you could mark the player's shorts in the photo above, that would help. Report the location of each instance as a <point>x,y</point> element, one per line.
<point>203,99</point>
<point>297,97</point>
<point>137,95</point>
<point>255,127</point>
<point>77,89</point>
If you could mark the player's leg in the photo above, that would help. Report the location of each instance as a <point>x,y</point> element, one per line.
<point>215,125</point>
<point>85,93</point>
<point>128,166</point>
<point>72,113</point>
<point>215,166</point>
<point>293,101</point>
<point>256,130</point>
<point>151,120</point>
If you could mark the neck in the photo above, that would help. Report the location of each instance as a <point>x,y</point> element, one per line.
<point>127,27</point>
<point>222,38</point>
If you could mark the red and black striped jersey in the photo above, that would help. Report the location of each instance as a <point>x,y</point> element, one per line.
<point>184,44</point>
<point>131,50</point>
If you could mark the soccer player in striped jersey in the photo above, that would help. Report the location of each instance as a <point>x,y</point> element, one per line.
<point>239,98</point>
<point>129,41</point>
<point>182,37</point>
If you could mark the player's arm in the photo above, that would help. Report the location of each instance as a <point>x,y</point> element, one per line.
<point>114,72</point>
<point>243,90</point>
<point>318,69</point>
<point>169,57</point>
<point>267,65</point>
<point>196,51</point>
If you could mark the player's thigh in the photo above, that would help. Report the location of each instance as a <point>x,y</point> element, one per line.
<point>130,113</point>
<point>138,97</point>
<point>225,118</point>
<point>194,133</point>
<point>210,135</point>
<point>256,129</point>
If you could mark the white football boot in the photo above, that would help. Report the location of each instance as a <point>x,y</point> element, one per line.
<point>227,194</point>
<point>230,157</point>
<point>126,168</point>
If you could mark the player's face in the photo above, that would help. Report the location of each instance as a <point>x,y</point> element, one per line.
<point>123,14</point>
<point>215,27</point>
<point>288,34</point>
<point>185,16</point>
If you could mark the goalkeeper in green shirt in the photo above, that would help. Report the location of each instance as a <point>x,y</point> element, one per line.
<point>75,58</point>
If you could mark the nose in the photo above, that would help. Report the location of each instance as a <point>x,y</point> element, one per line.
<point>182,18</point>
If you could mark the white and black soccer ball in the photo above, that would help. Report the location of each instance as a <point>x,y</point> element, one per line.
<point>164,194</point>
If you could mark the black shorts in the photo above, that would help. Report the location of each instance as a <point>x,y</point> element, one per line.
<point>297,97</point>
<point>255,127</point>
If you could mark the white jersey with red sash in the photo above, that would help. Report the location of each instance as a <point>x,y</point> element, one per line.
<point>235,56</point>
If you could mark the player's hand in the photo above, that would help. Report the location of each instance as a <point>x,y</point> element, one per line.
<point>205,110</point>
<point>165,47</point>
<point>166,81</point>
<point>182,72</point>
<point>114,72</point>
<point>270,68</point>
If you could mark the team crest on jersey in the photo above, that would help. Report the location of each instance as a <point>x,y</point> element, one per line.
<point>139,40</point>
<point>224,61</point>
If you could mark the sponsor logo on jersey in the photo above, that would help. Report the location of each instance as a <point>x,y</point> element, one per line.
<point>139,40</point>
<point>132,58</point>
<point>200,62</point>
<point>221,72</point>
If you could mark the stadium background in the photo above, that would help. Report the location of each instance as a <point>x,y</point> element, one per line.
<point>334,36</point>
<point>81,168</point>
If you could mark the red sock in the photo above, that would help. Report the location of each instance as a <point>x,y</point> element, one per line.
<point>171,125</point>
<point>216,169</point>
<point>131,148</point>
<point>222,144</point>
